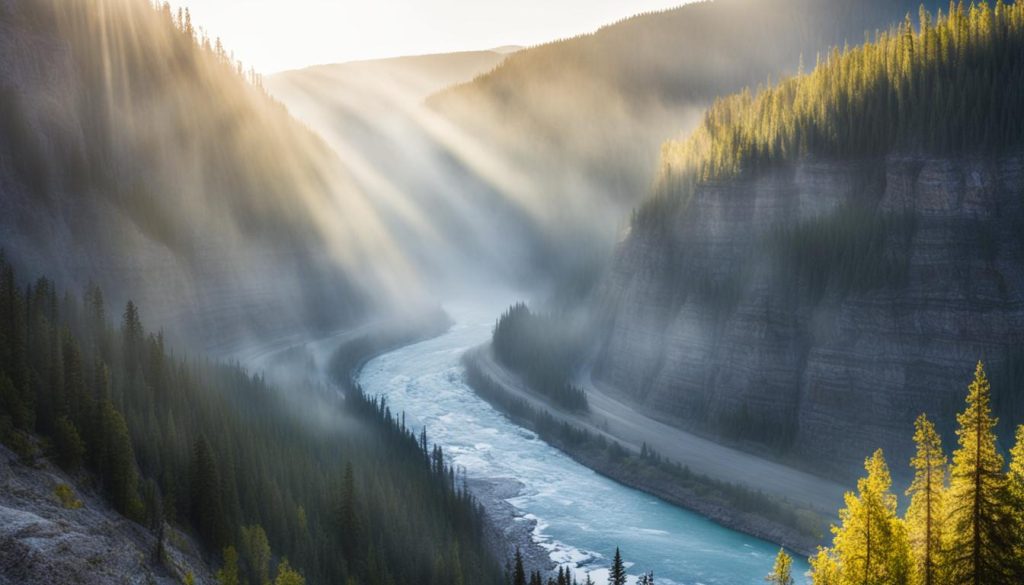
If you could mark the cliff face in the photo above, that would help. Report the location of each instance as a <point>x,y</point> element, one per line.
<point>713,324</point>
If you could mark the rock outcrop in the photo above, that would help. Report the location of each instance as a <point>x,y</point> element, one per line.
<point>44,541</point>
<point>720,322</point>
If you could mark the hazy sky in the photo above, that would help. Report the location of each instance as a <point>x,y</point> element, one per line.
<point>273,35</point>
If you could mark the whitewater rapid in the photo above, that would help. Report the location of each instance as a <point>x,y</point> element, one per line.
<point>580,516</point>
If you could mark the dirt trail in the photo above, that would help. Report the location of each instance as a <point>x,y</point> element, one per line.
<point>614,419</point>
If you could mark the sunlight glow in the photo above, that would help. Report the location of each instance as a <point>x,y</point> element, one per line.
<point>273,36</point>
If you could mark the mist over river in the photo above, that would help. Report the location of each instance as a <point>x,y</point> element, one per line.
<point>580,516</point>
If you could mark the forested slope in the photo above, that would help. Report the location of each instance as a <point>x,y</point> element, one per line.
<point>824,258</point>
<point>338,487</point>
<point>581,119</point>
<point>434,192</point>
<point>137,152</point>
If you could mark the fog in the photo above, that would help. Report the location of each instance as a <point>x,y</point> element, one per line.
<point>461,209</point>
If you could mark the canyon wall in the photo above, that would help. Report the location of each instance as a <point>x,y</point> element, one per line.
<point>743,318</point>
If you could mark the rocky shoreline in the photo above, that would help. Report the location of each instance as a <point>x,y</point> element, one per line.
<point>508,527</point>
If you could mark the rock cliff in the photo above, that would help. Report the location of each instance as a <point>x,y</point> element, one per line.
<point>817,308</point>
<point>80,540</point>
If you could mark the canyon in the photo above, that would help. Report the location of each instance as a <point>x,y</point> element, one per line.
<point>703,329</point>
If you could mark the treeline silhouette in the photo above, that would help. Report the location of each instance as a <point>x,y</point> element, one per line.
<point>516,574</point>
<point>955,84</point>
<point>342,489</point>
<point>542,350</point>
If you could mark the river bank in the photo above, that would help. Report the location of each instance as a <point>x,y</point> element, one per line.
<point>576,516</point>
<point>507,528</point>
<point>799,529</point>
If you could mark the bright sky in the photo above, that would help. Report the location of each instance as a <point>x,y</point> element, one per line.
<point>275,35</point>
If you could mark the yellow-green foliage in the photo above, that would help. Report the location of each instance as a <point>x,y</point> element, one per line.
<point>927,493</point>
<point>782,572</point>
<point>969,531</point>
<point>286,575</point>
<point>66,495</point>
<point>228,574</point>
<point>871,541</point>
<point>955,83</point>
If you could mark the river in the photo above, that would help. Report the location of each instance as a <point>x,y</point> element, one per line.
<point>580,516</point>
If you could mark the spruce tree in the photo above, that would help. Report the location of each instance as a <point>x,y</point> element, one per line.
<point>256,552</point>
<point>286,575</point>
<point>228,574</point>
<point>207,511</point>
<point>118,472</point>
<point>925,514</point>
<point>155,516</point>
<point>978,541</point>
<point>68,443</point>
<point>782,572</point>
<point>348,517</point>
<point>617,574</point>
<point>870,544</point>
<point>131,337</point>
<point>518,572</point>
<point>1015,503</point>
<point>824,570</point>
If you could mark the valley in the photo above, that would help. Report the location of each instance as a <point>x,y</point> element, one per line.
<point>718,293</point>
<point>577,516</point>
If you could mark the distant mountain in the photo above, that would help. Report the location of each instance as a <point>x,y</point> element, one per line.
<point>135,153</point>
<point>437,194</point>
<point>413,77</point>
<point>827,259</point>
<point>582,119</point>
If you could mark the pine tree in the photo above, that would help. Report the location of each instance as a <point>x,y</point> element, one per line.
<point>870,545</point>
<point>617,574</point>
<point>256,552</point>
<point>926,513</point>
<point>207,511</point>
<point>131,337</point>
<point>228,574</point>
<point>1015,503</point>
<point>286,575</point>
<point>978,541</point>
<point>74,379</point>
<point>782,572</point>
<point>348,517</point>
<point>155,516</point>
<point>69,445</point>
<point>518,572</point>
<point>120,479</point>
<point>824,570</point>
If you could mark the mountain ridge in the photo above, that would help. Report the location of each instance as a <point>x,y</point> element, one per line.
<point>779,290</point>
